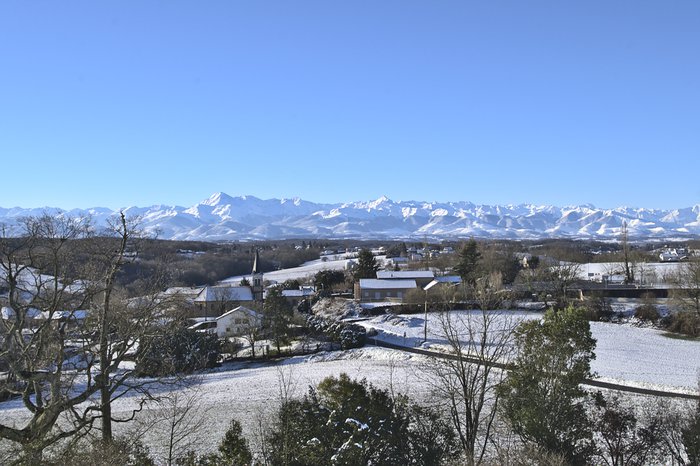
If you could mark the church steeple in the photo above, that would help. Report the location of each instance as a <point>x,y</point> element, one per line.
<point>256,279</point>
<point>255,262</point>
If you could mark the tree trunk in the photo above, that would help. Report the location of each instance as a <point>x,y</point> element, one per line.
<point>106,409</point>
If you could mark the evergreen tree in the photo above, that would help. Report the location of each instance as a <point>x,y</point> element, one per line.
<point>234,449</point>
<point>366,265</point>
<point>541,395</point>
<point>277,317</point>
<point>326,279</point>
<point>352,422</point>
<point>291,284</point>
<point>468,265</point>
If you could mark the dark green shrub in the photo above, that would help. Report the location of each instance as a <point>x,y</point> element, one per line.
<point>179,351</point>
<point>352,422</point>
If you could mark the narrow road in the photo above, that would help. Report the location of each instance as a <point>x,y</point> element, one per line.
<point>589,382</point>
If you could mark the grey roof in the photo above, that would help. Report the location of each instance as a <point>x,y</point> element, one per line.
<point>449,279</point>
<point>405,274</point>
<point>224,293</point>
<point>378,284</point>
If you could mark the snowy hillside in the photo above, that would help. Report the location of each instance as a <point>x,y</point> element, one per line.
<point>223,217</point>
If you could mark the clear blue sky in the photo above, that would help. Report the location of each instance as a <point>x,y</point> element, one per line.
<point>146,102</point>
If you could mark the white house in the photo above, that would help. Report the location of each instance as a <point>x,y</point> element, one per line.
<point>237,321</point>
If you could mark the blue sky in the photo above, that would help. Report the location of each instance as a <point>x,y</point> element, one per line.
<point>495,102</point>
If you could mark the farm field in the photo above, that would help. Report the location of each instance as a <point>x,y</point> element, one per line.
<point>624,353</point>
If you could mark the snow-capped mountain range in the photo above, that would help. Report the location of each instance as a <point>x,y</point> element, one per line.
<point>223,217</point>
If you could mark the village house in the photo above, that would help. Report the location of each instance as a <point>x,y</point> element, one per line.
<point>374,290</point>
<point>237,322</point>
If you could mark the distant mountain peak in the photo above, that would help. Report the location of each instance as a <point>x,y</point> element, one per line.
<point>217,199</point>
<point>223,217</point>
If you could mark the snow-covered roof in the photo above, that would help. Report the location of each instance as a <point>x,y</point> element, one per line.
<point>9,313</point>
<point>59,315</point>
<point>448,279</point>
<point>378,284</point>
<point>224,293</point>
<point>404,274</point>
<point>242,309</point>
<point>183,290</point>
<point>297,293</point>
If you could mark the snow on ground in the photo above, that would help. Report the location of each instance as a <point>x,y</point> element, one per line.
<point>645,357</point>
<point>247,391</point>
<point>624,353</point>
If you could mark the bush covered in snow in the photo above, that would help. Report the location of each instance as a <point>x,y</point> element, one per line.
<point>352,336</point>
<point>347,334</point>
<point>336,309</point>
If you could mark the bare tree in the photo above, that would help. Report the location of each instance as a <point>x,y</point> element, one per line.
<point>251,333</point>
<point>687,296</point>
<point>623,437</point>
<point>551,282</point>
<point>562,277</point>
<point>627,262</point>
<point>488,291</point>
<point>57,272</point>
<point>178,421</point>
<point>480,343</point>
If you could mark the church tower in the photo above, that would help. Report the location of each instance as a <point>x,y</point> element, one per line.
<point>256,280</point>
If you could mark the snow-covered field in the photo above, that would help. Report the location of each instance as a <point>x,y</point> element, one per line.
<point>624,353</point>
<point>246,392</point>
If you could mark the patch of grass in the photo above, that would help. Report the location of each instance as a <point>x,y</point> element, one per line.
<point>680,336</point>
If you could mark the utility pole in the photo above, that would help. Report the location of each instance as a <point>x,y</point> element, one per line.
<point>425,319</point>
